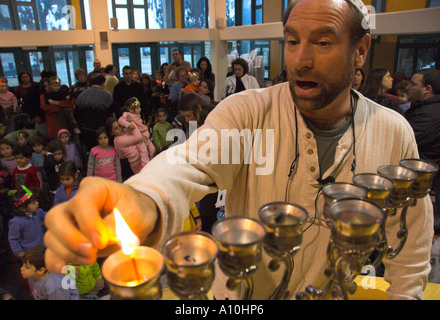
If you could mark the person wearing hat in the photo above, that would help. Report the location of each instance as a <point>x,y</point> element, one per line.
<point>315,129</point>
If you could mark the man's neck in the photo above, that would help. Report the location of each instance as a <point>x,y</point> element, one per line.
<point>334,115</point>
<point>128,83</point>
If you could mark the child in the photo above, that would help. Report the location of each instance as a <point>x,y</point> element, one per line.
<point>133,116</point>
<point>45,285</point>
<point>9,103</point>
<point>126,143</point>
<point>103,160</point>
<point>70,179</point>
<point>38,145</point>
<point>51,166</point>
<point>88,280</point>
<point>161,129</point>
<point>72,153</point>
<point>193,85</point>
<point>160,88</point>
<point>26,228</point>
<point>60,95</point>
<point>402,95</point>
<point>25,174</point>
<point>8,160</point>
<point>22,138</point>
<point>5,186</point>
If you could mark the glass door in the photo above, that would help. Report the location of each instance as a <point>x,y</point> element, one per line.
<point>9,68</point>
<point>36,64</point>
<point>123,59</point>
<point>146,63</point>
<point>61,67</point>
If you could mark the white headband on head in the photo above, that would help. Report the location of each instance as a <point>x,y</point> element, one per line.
<point>364,10</point>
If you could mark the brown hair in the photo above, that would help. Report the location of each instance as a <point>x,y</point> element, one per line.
<point>35,257</point>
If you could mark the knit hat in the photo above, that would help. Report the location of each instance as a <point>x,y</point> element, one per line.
<point>63,131</point>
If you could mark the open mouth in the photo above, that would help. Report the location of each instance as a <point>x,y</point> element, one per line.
<point>306,85</point>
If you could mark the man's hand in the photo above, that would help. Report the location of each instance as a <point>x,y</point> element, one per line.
<point>84,227</point>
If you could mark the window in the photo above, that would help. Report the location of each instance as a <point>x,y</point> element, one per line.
<point>41,14</point>
<point>432,3</point>
<point>379,5</point>
<point>244,12</point>
<point>62,59</point>
<point>417,52</point>
<point>142,14</point>
<point>195,14</point>
<point>9,68</point>
<point>148,57</point>
<point>5,17</point>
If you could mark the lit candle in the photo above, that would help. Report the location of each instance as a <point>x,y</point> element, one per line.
<point>128,239</point>
<point>134,271</point>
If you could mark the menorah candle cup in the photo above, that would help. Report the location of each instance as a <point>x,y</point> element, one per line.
<point>189,257</point>
<point>426,172</point>
<point>240,242</point>
<point>378,187</point>
<point>355,224</point>
<point>403,179</point>
<point>340,190</point>
<point>356,218</point>
<point>135,276</point>
<point>284,224</point>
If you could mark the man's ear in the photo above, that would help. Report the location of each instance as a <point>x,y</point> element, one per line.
<point>361,51</point>
<point>428,89</point>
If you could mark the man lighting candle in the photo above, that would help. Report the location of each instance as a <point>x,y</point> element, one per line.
<point>323,131</point>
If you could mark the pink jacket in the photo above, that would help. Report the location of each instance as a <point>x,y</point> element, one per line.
<point>131,146</point>
<point>142,128</point>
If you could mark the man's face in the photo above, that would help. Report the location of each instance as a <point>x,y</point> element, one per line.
<point>318,53</point>
<point>128,75</point>
<point>25,78</point>
<point>97,65</point>
<point>415,88</point>
<point>182,76</point>
<point>177,56</point>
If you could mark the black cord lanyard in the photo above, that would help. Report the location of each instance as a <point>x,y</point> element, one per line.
<point>331,177</point>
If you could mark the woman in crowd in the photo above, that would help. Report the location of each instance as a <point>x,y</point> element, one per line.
<point>359,78</point>
<point>206,91</point>
<point>378,82</point>
<point>204,65</point>
<point>240,80</point>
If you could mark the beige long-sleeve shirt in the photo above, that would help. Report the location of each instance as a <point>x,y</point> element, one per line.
<point>382,137</point>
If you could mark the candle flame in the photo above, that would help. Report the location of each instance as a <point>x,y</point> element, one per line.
<point>123,232</point>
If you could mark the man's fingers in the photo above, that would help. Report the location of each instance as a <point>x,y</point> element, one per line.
<point>92,202</point>
<point>85,255</point>
<point>62,226</point>
<point>53,262</point>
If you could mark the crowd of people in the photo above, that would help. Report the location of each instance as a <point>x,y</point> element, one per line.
<point>53,136</point>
